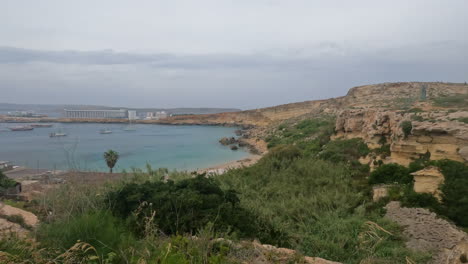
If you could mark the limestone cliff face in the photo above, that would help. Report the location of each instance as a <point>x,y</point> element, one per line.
<point>436,112</point>
<point>443,138</point>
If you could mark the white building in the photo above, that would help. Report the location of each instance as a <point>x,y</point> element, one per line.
<point>132,115</point>
<point>156,115</point>
<point>122,113</point>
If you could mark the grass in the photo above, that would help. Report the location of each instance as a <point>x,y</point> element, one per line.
<point>459,100</point>
<point>319,207</point>
<point>304,131</point>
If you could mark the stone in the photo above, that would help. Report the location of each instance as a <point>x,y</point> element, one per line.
<point>428,180</point>
<point>379,192</point>
<point>234,147</point>
<point>464,153</point>
<point>227,141</point>
<point>425,231</point>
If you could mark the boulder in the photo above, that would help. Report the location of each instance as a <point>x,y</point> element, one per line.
<point>464,153</point>
<point>428,180</point>
<point>227,141</point>
<point>234,147</point>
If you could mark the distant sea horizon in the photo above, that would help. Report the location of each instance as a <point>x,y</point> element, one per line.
<point>161,146</point>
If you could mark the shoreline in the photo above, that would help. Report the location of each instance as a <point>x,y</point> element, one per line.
<point>258,148</point>
<point>224,167</point>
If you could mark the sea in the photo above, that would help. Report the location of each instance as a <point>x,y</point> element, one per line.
<point>161,146</point>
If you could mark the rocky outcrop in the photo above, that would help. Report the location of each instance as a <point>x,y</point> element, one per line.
<point>380,191</point>
<point>428,180</point>
<point>227,141</point>
<point>426,232</point>
<point>257,253</point>
<point>29,218</point>
<point>437,133</point>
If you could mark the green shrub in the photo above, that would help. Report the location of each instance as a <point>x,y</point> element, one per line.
<point>422,162</point>
<point>344,150</point>
<point>454,196</point>
<point>390,173</point>
<point>463,120</point>
<point>282,156</point>
<point>425,200</point>
<point>303,131</point>
<point>417,118</point>
<point>6,182</point>
<point>100,229</point>
<point>415,110</point>
<point>406,127</point>
<point>383,151</point>
<point>458,100</point>
<point>183,207</point>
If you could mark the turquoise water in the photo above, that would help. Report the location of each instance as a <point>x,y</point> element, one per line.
<point>173,147</point>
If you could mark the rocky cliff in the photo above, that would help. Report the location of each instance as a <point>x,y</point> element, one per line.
<point>436,115</point>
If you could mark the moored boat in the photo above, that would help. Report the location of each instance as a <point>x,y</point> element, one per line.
<point>57,134</point>
<point>41,125</point>
<point>21,128</point>
<point>105,131</point>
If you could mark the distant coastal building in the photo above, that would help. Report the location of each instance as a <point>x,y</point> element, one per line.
<point>156,115</point>
<point>132,115</point>
<point>5,165</point>
<point>122,113</point>
<point>25,114</point>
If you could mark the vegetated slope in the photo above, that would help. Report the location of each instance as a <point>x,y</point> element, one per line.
<point>436,116</point>
<point>386,95</point>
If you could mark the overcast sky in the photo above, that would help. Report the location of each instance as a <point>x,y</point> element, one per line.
<point>223,53</point>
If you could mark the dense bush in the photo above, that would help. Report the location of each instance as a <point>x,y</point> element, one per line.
<point>454,190</point>
<point>184,207</point>
<point>306,130</point>
<point>390,173</point>
<point>344,150</point>
<point>6,182</point>
<point>282,156</point>
<point>425,200</point>
<point>406,127</point>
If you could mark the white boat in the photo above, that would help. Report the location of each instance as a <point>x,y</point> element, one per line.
<point>21,128</point>
<point>105,131</point>
<point>57,134</point>
<point>129,128</point>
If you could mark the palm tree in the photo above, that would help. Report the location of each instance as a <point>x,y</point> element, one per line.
<point>111,158</point>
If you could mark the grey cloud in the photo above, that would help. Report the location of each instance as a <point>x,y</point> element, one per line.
<point>17,55</point>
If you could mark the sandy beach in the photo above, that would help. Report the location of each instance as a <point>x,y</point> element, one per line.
<point>223,167</point>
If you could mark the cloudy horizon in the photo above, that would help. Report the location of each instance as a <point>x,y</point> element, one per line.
<point>223,53</point>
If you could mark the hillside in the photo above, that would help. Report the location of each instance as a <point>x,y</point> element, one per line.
<point>438,113</point>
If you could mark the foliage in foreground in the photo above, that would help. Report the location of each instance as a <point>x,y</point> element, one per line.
<point>185,207</point>
<point>307,194</point>
<point>317,204</point>
<point>5,182</point>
